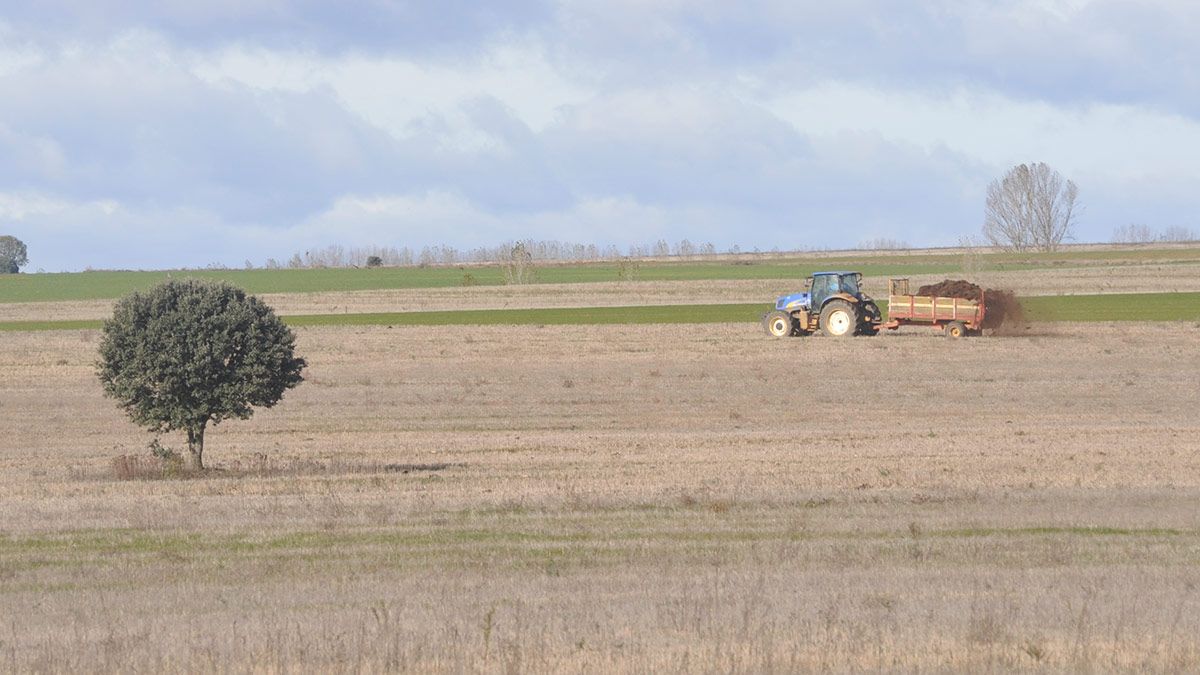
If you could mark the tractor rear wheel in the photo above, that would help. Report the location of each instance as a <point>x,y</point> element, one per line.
<point>779,324</point>
<point>839,319</point>
<point>869,319</point>
<point>956,329</point>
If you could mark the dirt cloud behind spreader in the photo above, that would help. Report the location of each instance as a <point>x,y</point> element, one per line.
<point>1002,307</point>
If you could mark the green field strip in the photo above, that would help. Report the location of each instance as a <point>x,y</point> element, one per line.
<point>107,285</point>
<point>1113,307</point>
<point>111,285</point>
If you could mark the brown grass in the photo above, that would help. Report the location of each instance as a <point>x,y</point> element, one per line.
<point>699,499</point>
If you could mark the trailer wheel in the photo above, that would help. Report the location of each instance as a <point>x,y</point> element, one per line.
<point>956,329</point>
<point>839,319</point>
<point>779,324</point>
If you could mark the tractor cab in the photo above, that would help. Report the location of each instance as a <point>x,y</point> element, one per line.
<point>834,304</point>
<point>825,285</point>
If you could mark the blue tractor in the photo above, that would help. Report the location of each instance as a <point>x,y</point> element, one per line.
<point>833,304</point>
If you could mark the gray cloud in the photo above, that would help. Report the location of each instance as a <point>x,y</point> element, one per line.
<point>1109,50</point>
<point>1116,51</point>
<point>96,127</point>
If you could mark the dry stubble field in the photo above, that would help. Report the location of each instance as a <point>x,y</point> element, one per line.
<point>640,498</point>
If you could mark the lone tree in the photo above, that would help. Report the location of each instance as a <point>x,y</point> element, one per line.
<point>1032,207</point>
<point>518,265</point>
<point>13,255</point>
<point>189,352</point>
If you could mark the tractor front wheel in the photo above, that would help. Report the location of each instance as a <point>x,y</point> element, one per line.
<point>779,324</point>
<point>839,319</point>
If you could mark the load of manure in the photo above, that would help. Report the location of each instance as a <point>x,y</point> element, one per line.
<point>1002,307</point>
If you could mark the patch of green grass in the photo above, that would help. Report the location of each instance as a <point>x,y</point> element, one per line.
<point>110,285</point>
<point>88,543</point>
<point>1116,307</point>
<point>521,539</point>
<point>86,324</point>
<point>103,285</point>
<point>100,541</point>
<point>121,541</point>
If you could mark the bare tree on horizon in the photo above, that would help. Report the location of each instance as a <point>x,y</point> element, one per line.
<point>1031,207</point>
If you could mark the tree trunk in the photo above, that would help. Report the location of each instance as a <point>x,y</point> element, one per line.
<point>195,458</point>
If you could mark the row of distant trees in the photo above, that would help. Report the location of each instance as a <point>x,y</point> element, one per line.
<point>392,256</point>
<point>534,250</point>
<point>1144,234</point>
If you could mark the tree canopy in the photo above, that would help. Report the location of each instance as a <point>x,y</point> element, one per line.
<point>189,352</point>
<point>13,255</point>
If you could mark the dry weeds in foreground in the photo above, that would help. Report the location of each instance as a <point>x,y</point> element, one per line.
<point>662,511</point>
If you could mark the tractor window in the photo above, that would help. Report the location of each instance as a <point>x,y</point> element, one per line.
<point>820,289</point>
<point>850,284</point>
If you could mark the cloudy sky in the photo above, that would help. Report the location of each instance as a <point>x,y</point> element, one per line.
<point>179,133</point>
